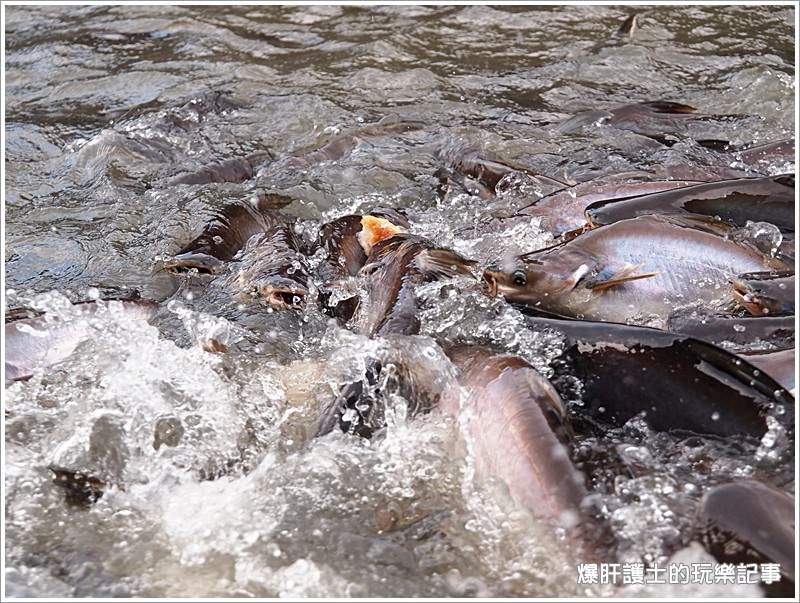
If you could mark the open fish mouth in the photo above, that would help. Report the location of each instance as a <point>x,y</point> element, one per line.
<point>282,298</point>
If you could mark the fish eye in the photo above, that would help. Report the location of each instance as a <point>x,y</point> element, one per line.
<point>520,278</point>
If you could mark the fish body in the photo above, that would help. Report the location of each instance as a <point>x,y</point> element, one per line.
<point>778,365</point>
<point>564,210</point>
<point>395,267</point>
<point>227,233</point>
<point>677,382</point>
<point>520,428</point>
<point>780,151</point>
<point>347,241</point>
<point>740,332</point>
<point>748,522</point>
<point>42,341</point>
<point>519,432</point>
<point>269,263</point>
<point>734,201</point>
<point>642,268</point>
<point>484,170</point>
<point>272,268</point>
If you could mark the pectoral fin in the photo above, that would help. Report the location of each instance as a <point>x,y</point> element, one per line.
<point>443,263</point>
<point>607,279</point>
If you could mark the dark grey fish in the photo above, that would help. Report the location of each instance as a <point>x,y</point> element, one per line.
<point>628,27</point>
<point>44,340</point>
<point>227,233</point>
<point>750,522</point>
<point>520,434</point>
<point>678,382</point>
<point>733,201</point>
<point>766,293</point>
<point>642,268</point>
<point>272,269</point>
<point>269,263</point>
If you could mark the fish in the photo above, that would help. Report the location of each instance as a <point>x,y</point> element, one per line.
<point>650,118</point>
<point>748,522</point>
<point>564,210</point>
<point>679,383</point>
<point>227,233</point>
<point>394,268</point>
<point>482,171</point>
<point>43,340</point>
<point>237,169</point>
<point>736,332</point>
<point>781,151</point>
<point>340,147</point>
<point>256,246</point>
<point>778,365</point>
<point>766,293</point>
<point>641,268</point>
<point>521,434</point>
<point>735,201</point>
<point>628,27</point>
<point>347,241</point>
<point>272,269</point>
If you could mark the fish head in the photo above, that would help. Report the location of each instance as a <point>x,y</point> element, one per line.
<point>535,280</point>
<point>756,301</point>
<point>281,293</point>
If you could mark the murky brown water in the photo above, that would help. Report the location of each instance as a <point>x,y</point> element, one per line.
<point>104,105</point>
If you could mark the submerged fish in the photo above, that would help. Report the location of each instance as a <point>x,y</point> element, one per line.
<point>485,171</point>
<point>232,170</point>
<point>733,201</point>
<point>650,118</point>
<point>269,264</point>
<point>677,382</point>
<point>340,147</point>
<point>45,340</point>
<point>520,434</point>
<point>750,522</point>
<point>766,293</point>
<point>641,268</point>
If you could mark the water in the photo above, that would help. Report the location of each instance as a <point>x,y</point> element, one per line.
<point>216,486</point>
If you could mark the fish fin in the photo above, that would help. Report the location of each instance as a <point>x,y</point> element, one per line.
<point>628,27</point>
<point>601,282</point>
<point>444,263</point>
<point>669,107</point>
<point>270,201</point>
